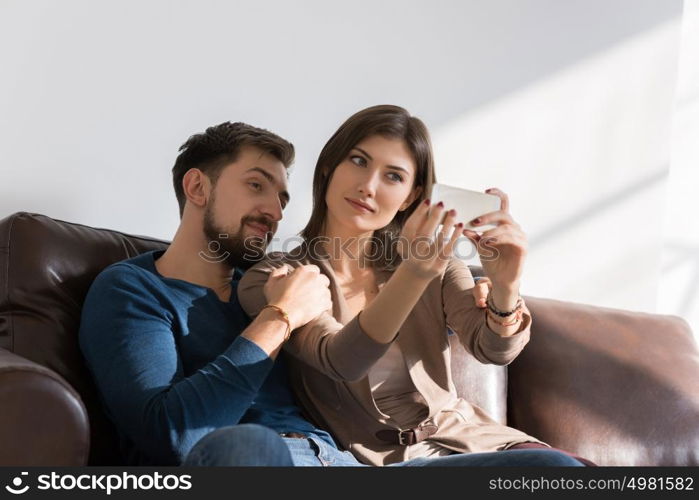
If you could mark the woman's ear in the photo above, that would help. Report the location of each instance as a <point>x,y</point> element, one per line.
<point>414,195</point>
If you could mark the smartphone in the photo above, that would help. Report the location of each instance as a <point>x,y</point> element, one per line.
<point>468,204</point>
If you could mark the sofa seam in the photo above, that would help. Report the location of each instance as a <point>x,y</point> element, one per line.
<point>114,231</point>
<point>6,292</point>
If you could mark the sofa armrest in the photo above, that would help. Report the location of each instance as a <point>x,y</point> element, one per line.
<point>43,421</point>
<point>614,386</point>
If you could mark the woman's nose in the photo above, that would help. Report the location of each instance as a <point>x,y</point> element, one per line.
<point>367,186</point>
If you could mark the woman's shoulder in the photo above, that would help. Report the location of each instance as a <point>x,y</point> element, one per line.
<point>273,260</point>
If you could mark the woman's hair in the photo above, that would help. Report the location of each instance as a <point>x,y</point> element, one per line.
<point>391,122</point>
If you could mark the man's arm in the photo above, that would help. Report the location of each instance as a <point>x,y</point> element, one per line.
<point>128,342</point>
<point>342,352</point>
<point>302,294</point>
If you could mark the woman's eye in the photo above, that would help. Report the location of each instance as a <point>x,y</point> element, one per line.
<point>255,185</point>
<point>358,160</point>
<point>395,177</point>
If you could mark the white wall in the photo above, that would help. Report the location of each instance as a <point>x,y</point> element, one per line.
<point>678,292</point>
<point>584,152</point>
<point>566,105</point>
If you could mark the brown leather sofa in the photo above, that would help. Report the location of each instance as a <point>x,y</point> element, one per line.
<point>616,387</point>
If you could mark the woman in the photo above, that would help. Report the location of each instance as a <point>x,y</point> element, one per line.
<point>376,369</point>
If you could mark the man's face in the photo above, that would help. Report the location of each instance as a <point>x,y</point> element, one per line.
<point>245,207</point>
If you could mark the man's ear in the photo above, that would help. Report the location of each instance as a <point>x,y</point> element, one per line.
<point>414,195</point>
<point>196,186</point>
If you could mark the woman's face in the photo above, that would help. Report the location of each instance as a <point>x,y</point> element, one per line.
<point>371,185</point>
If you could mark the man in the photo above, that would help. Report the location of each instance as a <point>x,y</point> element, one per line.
<point>175,359</point>
<point>172,352</point>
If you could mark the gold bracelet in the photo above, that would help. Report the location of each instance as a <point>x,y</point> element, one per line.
<point>285,318</point>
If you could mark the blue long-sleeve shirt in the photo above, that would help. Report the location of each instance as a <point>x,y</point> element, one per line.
<point>171,366</point>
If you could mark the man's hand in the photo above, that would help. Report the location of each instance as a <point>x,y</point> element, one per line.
<point>302,292</point>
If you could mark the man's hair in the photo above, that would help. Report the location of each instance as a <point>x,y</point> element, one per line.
<point>219,146</point>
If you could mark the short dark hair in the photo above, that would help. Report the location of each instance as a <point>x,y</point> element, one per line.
<point>219,146</point>
<point>384,120</point>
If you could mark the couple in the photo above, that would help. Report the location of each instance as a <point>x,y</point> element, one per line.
<point>195,363</point>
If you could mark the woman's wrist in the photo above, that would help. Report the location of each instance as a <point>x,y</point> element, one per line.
<point>413,271</point>
<point>504,328</point>
<point>505,298</point>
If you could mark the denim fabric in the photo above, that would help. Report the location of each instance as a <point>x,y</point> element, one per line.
<point>313,452</point>
<point>249,444</point>
<point>240,445</point>
<point>507,458</point>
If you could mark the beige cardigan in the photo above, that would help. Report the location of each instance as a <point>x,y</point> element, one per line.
<point>329,363</point>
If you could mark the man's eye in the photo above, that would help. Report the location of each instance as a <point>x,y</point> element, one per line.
<point>358,160</point>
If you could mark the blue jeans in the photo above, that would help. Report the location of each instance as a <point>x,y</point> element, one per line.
<point>251,444</point>
<point>240,445</point>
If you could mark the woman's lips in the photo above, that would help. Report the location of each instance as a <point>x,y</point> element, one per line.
<point>359,206</point>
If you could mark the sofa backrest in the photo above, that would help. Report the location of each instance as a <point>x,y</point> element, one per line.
<point>46,268</point>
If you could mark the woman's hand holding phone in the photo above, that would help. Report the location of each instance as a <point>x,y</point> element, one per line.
<point>503,249</point>
<point>423,254</point>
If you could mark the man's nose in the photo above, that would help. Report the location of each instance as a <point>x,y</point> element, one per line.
<point>273,209</point>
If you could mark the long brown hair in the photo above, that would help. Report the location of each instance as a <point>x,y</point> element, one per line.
<point>388,121</point>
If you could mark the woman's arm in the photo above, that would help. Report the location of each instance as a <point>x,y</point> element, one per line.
<point>348,352</point>
<point>505,299</point>
<point>468,321</point>
<point>502,251</point>
<point>340,352</point>
<point>424,259</point>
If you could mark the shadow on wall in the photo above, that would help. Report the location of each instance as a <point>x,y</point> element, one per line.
<point>685,255</point>
<point>597,207</point>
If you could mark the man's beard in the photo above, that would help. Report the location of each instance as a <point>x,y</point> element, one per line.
<point>234,249</point>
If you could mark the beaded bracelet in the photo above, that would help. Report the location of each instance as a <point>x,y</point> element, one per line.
<point>502,314</point>
<point>285,318</point>
<point>517,318</point>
